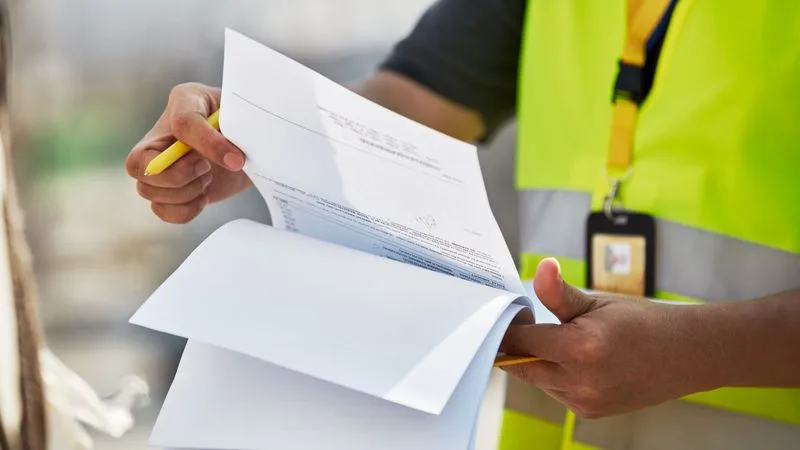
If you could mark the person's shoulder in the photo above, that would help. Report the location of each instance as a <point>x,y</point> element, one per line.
<point>466,51</point>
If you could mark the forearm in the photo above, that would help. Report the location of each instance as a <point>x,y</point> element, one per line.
<point>749,343</point>
<point>414,101</point>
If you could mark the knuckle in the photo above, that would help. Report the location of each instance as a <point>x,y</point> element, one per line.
<point>587,352</point>
<point>181,173</point>
<point>594,411</point>
<point>187,193</point>
<point>179,90</point>
<point>586,412</point>
<point>180,176</point>
<point>181,124</point>
<point>132,163</point>
<point>585,409</point>
<point>190,89</point>
<point>578,410</point>
<point>591,349</point>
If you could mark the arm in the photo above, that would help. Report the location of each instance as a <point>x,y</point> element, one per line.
<point>456,73</point>
<point>213,173</point>
<point>615,354</point>
<point>415,101</point>
<point>753,342</point>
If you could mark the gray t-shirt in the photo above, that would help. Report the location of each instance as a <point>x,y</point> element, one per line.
<point>468,52</point>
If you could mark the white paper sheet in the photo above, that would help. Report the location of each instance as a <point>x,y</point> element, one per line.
<point>226,400</point>
<point>381,327</point>
<point>376,290</point>
<point>334,165</point>
<point>540,312</point>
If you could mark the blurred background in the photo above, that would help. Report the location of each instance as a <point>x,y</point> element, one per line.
<point>89,78</point>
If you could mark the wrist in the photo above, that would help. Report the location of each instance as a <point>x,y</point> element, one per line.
<point>744,343</point>
<point>703,349</point>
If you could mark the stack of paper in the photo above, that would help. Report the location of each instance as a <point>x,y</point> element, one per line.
<point>370,314</point>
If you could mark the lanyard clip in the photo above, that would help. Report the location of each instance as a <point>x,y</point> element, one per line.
<point>614,197</point>
<point>608,202</point>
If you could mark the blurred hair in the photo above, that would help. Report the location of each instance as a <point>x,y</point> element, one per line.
<point>32,429</point>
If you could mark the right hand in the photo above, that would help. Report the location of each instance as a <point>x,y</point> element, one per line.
<point>212,172</point>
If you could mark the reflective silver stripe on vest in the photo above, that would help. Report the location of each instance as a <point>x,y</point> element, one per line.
<point>677,424</point>
<point>689,261</point>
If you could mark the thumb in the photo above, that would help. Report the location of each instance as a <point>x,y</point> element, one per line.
<point>562,299</point>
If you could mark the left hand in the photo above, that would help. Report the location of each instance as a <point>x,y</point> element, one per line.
<point>611,354</point>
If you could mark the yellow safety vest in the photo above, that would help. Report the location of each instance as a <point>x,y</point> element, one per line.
<point>716,157</point>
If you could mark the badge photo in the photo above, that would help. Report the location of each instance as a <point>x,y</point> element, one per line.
<point>621,253</point>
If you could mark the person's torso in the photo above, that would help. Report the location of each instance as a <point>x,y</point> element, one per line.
<point>715,157</point>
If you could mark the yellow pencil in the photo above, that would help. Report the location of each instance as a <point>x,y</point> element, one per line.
<point>175,151</point>
<point>508,360</point>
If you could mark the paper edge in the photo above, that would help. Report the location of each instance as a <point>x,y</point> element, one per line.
<point>410,385</point>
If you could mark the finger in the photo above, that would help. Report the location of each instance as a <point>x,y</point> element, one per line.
<point>524,317</point>
<point>561,298</point>
<point>542,374</point>
<point>190,125</point>
<point>179,214</point>
<point>184,171</point>
<point>547,341</point>
<point>175,196</point>
<point>157,139</point>
<point>559,396</point>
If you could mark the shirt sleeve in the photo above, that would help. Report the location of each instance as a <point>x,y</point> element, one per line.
<point>466,51</point>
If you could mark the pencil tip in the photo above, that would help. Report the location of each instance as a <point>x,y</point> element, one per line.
<point>146,173</point>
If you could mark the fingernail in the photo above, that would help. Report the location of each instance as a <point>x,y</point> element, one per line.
<point>558,269</point>
<point>233,161</point>
<point>202,167</point>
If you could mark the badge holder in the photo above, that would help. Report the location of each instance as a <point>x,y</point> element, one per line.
<point>620,248</point>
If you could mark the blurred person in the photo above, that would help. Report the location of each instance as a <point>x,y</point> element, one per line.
<point>42,402</point>
<point>22,398</point>
<point>710,96</point>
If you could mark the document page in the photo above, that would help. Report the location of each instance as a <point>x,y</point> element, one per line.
<point>304,413</point>
<point>390,330</point>
<point>333,165</point>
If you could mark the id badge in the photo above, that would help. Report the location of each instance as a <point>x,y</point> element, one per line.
<point>620,253</point>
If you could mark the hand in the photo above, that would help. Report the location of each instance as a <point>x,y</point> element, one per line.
<point>611,354</point>
<point>210,173</point>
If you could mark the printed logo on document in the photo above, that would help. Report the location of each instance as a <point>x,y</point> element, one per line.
<point>428,221</point>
